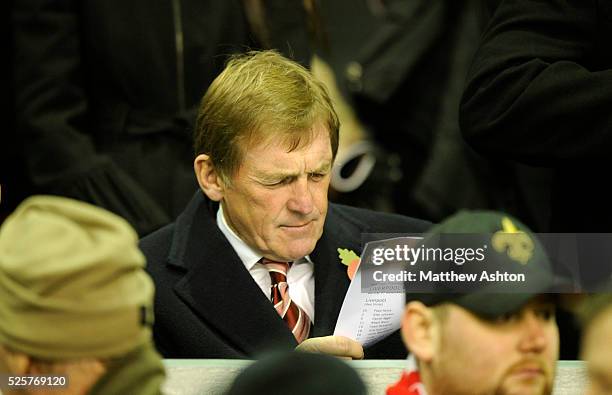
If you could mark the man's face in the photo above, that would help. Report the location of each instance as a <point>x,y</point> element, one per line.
<point>514,355</point>
<point>277,200</point>
<point>597,351</point>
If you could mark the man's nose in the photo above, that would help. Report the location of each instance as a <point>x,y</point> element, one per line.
<point>534,333</point>
<point>301,200</point>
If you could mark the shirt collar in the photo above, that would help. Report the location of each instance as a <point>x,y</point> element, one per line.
<point>247,255</point>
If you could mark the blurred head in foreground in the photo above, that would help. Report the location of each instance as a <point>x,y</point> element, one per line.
<point>596,317</point>
<point>298,373</point>
<point>488,340</point>
<point>75,300</point>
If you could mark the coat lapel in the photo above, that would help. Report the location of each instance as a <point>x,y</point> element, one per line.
<point>220,290</point>
<point>331,280</point>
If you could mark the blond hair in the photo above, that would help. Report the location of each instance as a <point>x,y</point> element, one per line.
<point>261,95</point>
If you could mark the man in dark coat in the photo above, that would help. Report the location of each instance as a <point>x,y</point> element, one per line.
<point>540,92</point>
<point>265,141</point>
<point>106,91</point>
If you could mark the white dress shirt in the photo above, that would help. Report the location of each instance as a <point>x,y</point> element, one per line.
<point>300,277</point>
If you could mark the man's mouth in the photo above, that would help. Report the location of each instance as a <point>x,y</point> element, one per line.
<point>528,371</point>
<point>298,226</point>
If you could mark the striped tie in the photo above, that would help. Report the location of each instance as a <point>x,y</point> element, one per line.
<point>294,316</point>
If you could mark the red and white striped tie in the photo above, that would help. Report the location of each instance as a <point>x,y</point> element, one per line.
<point>294,316</point>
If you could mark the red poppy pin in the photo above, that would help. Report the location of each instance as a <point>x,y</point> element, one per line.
<point>350,259</point>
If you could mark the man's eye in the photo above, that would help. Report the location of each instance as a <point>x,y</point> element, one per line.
<point>281,182</point>
<point>546,313</point>
<point>317,176</point>
<point>506,318</point>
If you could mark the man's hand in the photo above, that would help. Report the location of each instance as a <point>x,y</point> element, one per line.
<point>338,346</point>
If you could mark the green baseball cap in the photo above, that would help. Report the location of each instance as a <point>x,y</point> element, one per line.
<point>506,246</point>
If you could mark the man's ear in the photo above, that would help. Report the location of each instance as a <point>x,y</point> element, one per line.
<point>208,177</point>
<point>419,331</point>
<point>14,362</point>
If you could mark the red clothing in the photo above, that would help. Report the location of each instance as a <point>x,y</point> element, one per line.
<point>409,384</point>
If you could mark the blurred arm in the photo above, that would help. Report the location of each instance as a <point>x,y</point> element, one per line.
<point>540,87</point>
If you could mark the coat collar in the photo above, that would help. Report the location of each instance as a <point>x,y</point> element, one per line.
<point>215,279</point>
<point>331,279</point>
<point>217,286</point>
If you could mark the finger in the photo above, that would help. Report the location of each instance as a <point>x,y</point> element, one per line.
<point>339,346</point>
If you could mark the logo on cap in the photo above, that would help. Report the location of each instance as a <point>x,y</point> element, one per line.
<point>513,242</point>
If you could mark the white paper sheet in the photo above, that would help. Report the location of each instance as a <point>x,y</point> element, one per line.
<point>370,317</point>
